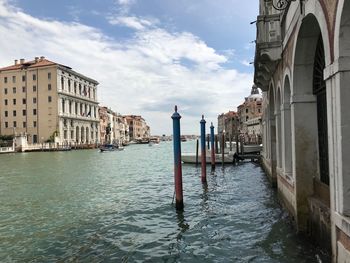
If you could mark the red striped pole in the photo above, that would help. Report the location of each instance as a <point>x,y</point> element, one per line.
<point>177,160</point>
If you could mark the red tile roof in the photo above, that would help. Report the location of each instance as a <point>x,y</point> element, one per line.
<point>31,64</point>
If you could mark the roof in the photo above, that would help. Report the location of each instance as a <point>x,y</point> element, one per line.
<point>43,62</point>
<point>31,64</point>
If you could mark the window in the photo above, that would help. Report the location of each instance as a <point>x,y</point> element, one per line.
<point>24,124</point>
<point>259,110</point>
<point>246,110</point>
<point>49,98</point>
<point>34,77</point>
<point>6,113</point>
<point>34,111</point>
<point>5,79</point>
<point>34,88</point>
<point>34,124</point>
<point>14,90</point>
<point>24,101</point>
<point>14,124</point>
<point>34,100</point>
<point>14,113</point>
<point>13,79</point>
<point>49,87</point>
<point>65,135</point>
<point>23,89</point>
<point>49,75</point>
<point>6,102</point>
<point>5,90</point>
<point>23,78</point>
<point>6,124</point>
<point>35,137</point>
<point>24,112</point>
<point>14,101</point>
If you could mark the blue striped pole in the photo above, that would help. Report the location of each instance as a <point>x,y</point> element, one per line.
<point>177,160</point>
<point>203,153</point>
<point>212,146</point>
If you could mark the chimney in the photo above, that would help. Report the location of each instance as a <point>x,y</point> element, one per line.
<point>36,59</point>
<point>16,61</point>
<point>21,60</point>
<point>42,58</point>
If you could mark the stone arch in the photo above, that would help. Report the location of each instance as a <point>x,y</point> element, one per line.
<point>272,133</point>
<point>87,134</point>
<point>341,122</point>
<point>77,135</point>
<point>82,135</point>
<point>278,130</point>
<point>287,133</point>
<point>309,131</point>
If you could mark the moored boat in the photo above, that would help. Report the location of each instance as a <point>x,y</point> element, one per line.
<point>110,148</point>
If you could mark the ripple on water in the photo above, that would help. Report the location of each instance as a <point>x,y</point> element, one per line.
<point>83,206</point>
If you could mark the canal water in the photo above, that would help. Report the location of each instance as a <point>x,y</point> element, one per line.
<point>86,206</point>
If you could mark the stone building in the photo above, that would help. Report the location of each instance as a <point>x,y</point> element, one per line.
<point>302,65</point>
<point>113,126</point>
<point>228,122</point>
<point>138,128</point>
<point>48,101</point>
<point>251,108</point>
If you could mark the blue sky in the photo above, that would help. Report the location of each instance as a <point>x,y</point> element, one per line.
<point>147,54</point>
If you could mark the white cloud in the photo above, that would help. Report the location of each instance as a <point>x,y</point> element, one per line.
<point>146,74</point>
<point>130,21</point>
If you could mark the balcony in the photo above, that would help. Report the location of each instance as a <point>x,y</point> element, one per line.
<point>268,49</point>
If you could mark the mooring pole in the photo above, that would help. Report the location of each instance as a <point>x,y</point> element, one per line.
<point>197,146</point>
<point>177,160</point>
<point>223,149</point>
<point>208,140</point>
<point>203,151</point>
<point>212,147</point>
<point>237,146</point>
<point>216,144</point>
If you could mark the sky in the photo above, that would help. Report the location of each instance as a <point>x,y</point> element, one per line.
<point>147,55</point>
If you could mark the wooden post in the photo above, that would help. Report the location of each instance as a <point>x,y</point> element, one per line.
<point>208,140</point>
<point>223,149</point>
<point>216,144</point>
<point>203,151</point>
<point>177,160</point>
<point>212,147</point>
<point>230,142</point>
<point>197,146</point>
<point>237,146</point>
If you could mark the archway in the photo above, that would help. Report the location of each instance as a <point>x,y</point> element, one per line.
<point>309,133</point>
<point>341,124</point>
<point>87,135</point>
<point>82,135</point>
<point>287,134</point>
<point>77,137</point>
<point>278,131</point>
<point>272,134</point>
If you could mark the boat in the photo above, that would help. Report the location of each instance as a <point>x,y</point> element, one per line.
<point>252,148</point>
<point>183,138</point>
<point>110,148</point>
<point>154,141</point>
<point>191,158</point>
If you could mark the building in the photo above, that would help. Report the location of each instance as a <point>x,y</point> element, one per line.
<point>228,122</point>
<point>302,65</point>
<point>138,128</point>
<point>48,101</point>
<point>113,126</point>
<point>251,108</point>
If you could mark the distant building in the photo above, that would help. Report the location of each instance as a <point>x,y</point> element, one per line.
<point>228,122</point>
<point>138,128</point>
<point>113,126</point>
<point>48,101</point>
<point>250,108</point>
